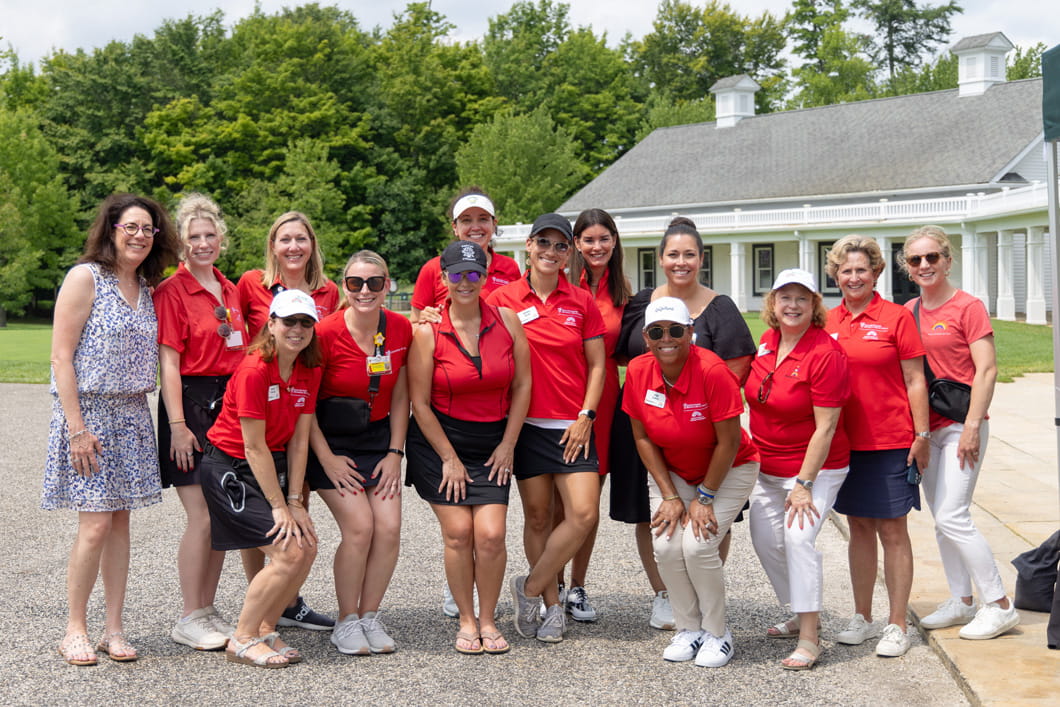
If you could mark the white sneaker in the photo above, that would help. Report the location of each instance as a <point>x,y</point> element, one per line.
<point>348,636</point>
<point>449,607</point>
<point>683,646</point>
<point>220,624</point>
<point>990,622</point>
<point>578,606</point>
<point>562,602</point>
<point>715,652</point>
<point>197,631</point>
<point>857,631</point>
<point>894,643</point>
<point>662,614</point>
<point>375,633</point>
<point>951,612</point>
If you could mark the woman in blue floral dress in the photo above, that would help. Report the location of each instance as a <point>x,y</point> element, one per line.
<point>102,459</point>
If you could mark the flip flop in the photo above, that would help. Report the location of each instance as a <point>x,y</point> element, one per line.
<point>496,637</point>
<point>800,661</point>
<point>471,638</point>
<point>112,643</point>
<point>262,661</point>
<point>76,650</point>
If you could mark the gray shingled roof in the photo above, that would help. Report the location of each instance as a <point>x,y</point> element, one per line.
<point>731,82</point>
<point>978,40</point>
<point>908,142</point>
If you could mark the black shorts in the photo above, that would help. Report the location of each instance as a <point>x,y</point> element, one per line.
<point>538,452</point>
<point>239,514</point>
<point>366,450</point>
<point>202,397</point>
<point>474,443</point>
<point>876,486</point>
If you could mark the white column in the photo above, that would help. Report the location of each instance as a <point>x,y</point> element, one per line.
<point>738,263</point>
<point>807,256</point>
<point>971,274</point>
<point>1036,275</point>
<point>883,285</point>
<point>1006,301</point>
<point>982,269</point>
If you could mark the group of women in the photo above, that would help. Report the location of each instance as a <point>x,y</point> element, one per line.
<point>283,384</point>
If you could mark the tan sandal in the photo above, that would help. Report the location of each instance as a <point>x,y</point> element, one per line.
<point>785,629</point>
<point>471,638</point>
<point>804,660</point>
<point>116,647</point>
<point>500,643</point>
<point>76,650</point>
<point>262,661</point>
<point>289,652</point>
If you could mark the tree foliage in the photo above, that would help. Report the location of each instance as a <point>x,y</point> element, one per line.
<point>905,32</point>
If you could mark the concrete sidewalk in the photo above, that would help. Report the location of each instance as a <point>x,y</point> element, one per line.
<point>1016,507</point>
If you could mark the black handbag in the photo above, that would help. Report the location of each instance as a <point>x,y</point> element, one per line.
<point>1036,578</point>
<point>946,396</point>
<point>348,417</point>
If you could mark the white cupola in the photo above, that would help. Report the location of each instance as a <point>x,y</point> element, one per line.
<point>734,99</point>
<point>980,62</point>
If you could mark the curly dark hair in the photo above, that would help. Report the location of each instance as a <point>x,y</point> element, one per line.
<point>100,248</point>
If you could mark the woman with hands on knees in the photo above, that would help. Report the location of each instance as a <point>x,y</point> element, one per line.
<point>253,468</point>
<point>102,458</point>
<point>685,406</point>
<point>796,390</point>
<point>358,441</point>
<point>469,378</point>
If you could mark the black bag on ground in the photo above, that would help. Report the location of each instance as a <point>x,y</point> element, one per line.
<point>1036,581</point>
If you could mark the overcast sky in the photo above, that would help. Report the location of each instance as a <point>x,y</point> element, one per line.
<point>35,27</point>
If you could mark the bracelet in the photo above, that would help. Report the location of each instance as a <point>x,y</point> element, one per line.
<point>177,421</point>
<point>398,452</point>
<point>708,493</point>
<point>74,436</point>
<point>675,497</point>
<point>270,500</point>
<point>294,497</point>
<point>296,504</point>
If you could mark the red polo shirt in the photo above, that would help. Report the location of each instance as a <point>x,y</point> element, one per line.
<point>188,325</point>
<point>257,299</point>
<point>257,391</point>
<point>605,412</point>
<point>681,422</point>
<point>345,365</point>
<point>464,390</point>
<point>556,330</point>
<point>877,416</point>
<point>430,291</point>
<point>814,374</point>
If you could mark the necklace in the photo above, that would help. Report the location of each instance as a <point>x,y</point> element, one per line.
<point>667,381</point>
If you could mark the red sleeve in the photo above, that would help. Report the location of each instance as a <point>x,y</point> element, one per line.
<point>251,391</point>
<point>633,392</point>
<point>975,321</point>
<point>829,377</point>
<point>423,295</point>
<point>173,330</point>
<point>723,391</point>
<point>906,336</point>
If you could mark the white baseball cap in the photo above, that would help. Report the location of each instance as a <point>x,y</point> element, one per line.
<point>466,202</point>
<point>667,309</point>
<point>291,302</point>
<point>795,276</point>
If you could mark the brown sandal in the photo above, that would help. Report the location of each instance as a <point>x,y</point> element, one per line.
<point>116,647</point>
<point>495,637</point>
<point>76,650</point>
<point>473,639</point>
<point>804,660</point>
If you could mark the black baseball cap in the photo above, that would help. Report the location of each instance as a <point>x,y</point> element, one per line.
<point>462,256</point>
<point>553,221</point>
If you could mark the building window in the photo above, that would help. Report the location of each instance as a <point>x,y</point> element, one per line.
<point>825,284</point>
<point>646,267</point>
<point>706,272</point>
<point>762,258</point>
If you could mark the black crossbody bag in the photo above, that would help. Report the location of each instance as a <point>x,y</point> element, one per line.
<point>348,417</point>
<point>947,397</point>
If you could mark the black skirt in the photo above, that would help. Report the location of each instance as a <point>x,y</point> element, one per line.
<point>202,396</point>
<point>629,477</point>
<point>366,450</point>
<point>239,514</point>
<point>538,452</point>
<point>474,443</point>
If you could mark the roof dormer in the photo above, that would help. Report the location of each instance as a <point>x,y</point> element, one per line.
<point>734,99</point>
<point>980,62</point>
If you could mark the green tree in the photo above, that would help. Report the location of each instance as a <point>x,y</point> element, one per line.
<point>839,73</point>
<point>663,112</point>
<point>807,25</point>
<point>528,164</point>
<point>517,45</point>
<point>1026,63</point>
<point>938,75</point>
<point>20,86</point>
<point>905,33</point>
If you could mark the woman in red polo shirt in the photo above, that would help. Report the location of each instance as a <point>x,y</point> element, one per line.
<point>201,341</point>
<point>685,406</point>
<point>292,262</point>
<point>253,468</point>
<point>887,423</point>
<point>797,387</point>
<point>555,449</point>
<point>473,219</point>
<point>470,391</point>
<point>357,444</point>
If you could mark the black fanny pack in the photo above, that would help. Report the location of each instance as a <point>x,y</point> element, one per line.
<point>947,397</point>
<point>348,417</point>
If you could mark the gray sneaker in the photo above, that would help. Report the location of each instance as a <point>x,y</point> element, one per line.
<point>554,625</point>
<point>375,633</point>
<point>348,636</point>
<point>526,618</point>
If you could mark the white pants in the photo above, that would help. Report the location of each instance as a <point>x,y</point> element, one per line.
<point>788,555</point>
<point>691,568</point>
<point>966,556</point>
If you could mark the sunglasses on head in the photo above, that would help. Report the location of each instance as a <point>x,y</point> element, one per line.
<point>292,322</point>
<point>676,331</point>
<point>471,275</point>
<point>560,246</point>
<point>375,283</point>
<point>932,258</point>
<point>225,329</point>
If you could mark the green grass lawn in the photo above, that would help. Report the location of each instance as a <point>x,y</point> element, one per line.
<point>1021,348</point>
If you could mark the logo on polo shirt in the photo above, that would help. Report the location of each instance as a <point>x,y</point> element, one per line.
<point>939,329</point>
<point>870,335</point>
<point>696,416</point>
<point>574,316</point>
<point>299,395</point>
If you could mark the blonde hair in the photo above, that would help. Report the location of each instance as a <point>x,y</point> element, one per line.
<point>362,256</point>
<point>855,243</point>
<point>199,206</point>
<point>820,314</point>
<point>935,233</point>
<point>314,269</point>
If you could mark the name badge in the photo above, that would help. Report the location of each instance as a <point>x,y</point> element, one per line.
<point>655,399</point>
<point>528,315</point>
<point>235,339</point>
<point>274,392</point>
<point>763,350</point>
<point>379,365</point>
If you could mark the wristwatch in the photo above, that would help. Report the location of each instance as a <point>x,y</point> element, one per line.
<point>808,485</point>
<point>591,414</point>
<point>705,500</point>
<point>925,435</point>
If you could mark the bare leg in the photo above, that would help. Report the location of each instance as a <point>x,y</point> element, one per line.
<point>580,565</point>
<point>578,491</point>
<point>536,494</point>
<point>353,514</point>
<point>198,566</point>
<point>491,558</point>
<point>862,557</point>
<point>383,553</point>
<point>93,529</point>
<point>114,565</point>
<point>458,535</point>
<point>647,557</point>
<point>897,566</point>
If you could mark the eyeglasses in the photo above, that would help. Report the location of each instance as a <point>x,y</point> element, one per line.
<point>676,331</point>
<point>471,276</point>
<point>932,258</point>
<point>375,283</point>
<point>223,316</point>
<point>292,322</point>
<point>560,246</point>
<point>132,229</point>
<point>766,387</point>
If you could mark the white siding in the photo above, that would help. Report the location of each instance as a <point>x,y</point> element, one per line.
<point>1019,272</point>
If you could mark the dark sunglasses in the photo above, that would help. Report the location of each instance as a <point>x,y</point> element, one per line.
<point>676,331</point>
<point>292,322</point>
<point>766,387</point>
<point>471,275</point>
<point>932,258</point>
<point>375,283</point>
<point>225,329</point>
<point>560,246</point>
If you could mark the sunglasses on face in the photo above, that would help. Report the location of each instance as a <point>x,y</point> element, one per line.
<point>292,322</point>
<point>932,258</point>
<point>676,331</point>
<point>471,275</point>
<point>132,229</point>
<point>766,387</point>
<point>375,283</point>
<point>225,329</point>
<point>560,246</point>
